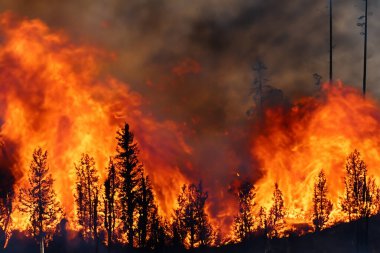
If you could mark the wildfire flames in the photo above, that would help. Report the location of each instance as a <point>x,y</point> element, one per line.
<point>315,134</point>
<point>55,95</point>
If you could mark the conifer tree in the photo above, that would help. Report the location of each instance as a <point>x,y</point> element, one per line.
<point>276,212</point>
<point>110,203</point>
<point>191,225</point>
<point>321,205</point>
<point>38,200</point>
<point>244,221</point>
<point>87,197</point>
<point>130,173</point>
<point>357,200</point>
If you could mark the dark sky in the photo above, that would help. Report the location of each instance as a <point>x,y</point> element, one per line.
<point>217,41</point>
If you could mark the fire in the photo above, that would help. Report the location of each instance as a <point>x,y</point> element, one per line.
<point>316,133</point>
<point>54,95</point>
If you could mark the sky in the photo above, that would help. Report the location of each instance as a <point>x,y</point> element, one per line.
<point>192,60</point>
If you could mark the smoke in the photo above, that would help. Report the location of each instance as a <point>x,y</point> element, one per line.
<point>191,63</point>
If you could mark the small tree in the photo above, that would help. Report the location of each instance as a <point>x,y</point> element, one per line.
<point>357,201</point>
<point>147,209</point>
<point>110,204</point>
<point>276,212</point>
<point>6,208</point>
<point>263,221</point>
<point>38,200</point>
<point>244,221</point>
<point>321,205</point>
<point>87,197</point>
<point>191,225</point>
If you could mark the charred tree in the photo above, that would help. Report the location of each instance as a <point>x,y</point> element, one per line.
<point>357,201</point>
<point>110,205</point>
<point>157,234</point>
<point>147,209</point>
<point>322,206</point>
<point>191,225</point>
<point>331,41</point>
<point>244,221</point>
<point>6,208</point>
<point>130,173</point>
<point>38,200</point>
<point>276,212</point>
<point>87,198</point>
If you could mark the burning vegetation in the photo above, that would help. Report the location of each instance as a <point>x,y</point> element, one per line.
<point>81,165</point>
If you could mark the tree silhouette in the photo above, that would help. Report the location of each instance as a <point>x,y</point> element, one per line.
<point>321,205</point>
<point>244,221</point>
<point>191,225</point>
<point>158,231</point>
<point>110,204</point>
<point>263,221</point>
<point>147,209</point>
<point>276,212</point>
<point>87,197</point>
<point>6,208</point>
<point>38,200</point>
<point>357,201</point>
<point>130,173</point>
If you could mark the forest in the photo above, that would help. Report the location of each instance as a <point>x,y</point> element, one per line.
<point>122,212</point>
<point>169,159</point>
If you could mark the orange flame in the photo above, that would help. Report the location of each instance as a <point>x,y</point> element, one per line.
<point>54,95</point>
<point>316,133</point>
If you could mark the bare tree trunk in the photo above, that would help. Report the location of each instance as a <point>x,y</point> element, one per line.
<point>42,248</point>
<point>365,49</point>
<point>331,47</point>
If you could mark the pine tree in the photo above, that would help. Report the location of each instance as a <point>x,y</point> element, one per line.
<point>191,225</point>
<point>147,209</point>
<point>357,201</point>
<point>87,197</point>
<point>157,234</point>
<point>205,230</point>
<point>276,212</point>
<point>321,205</point>
<point>6,208</point>
<point>110,204</point>
<point>244,221</point>
<point>263,221</point>
<point>38,200</point>
<point>130,173</point>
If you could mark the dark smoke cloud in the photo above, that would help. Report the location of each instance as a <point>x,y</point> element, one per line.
<point>151,38</point>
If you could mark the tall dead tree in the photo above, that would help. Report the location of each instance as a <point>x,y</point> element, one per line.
<point>331,41</point>
<point>363,22</point>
